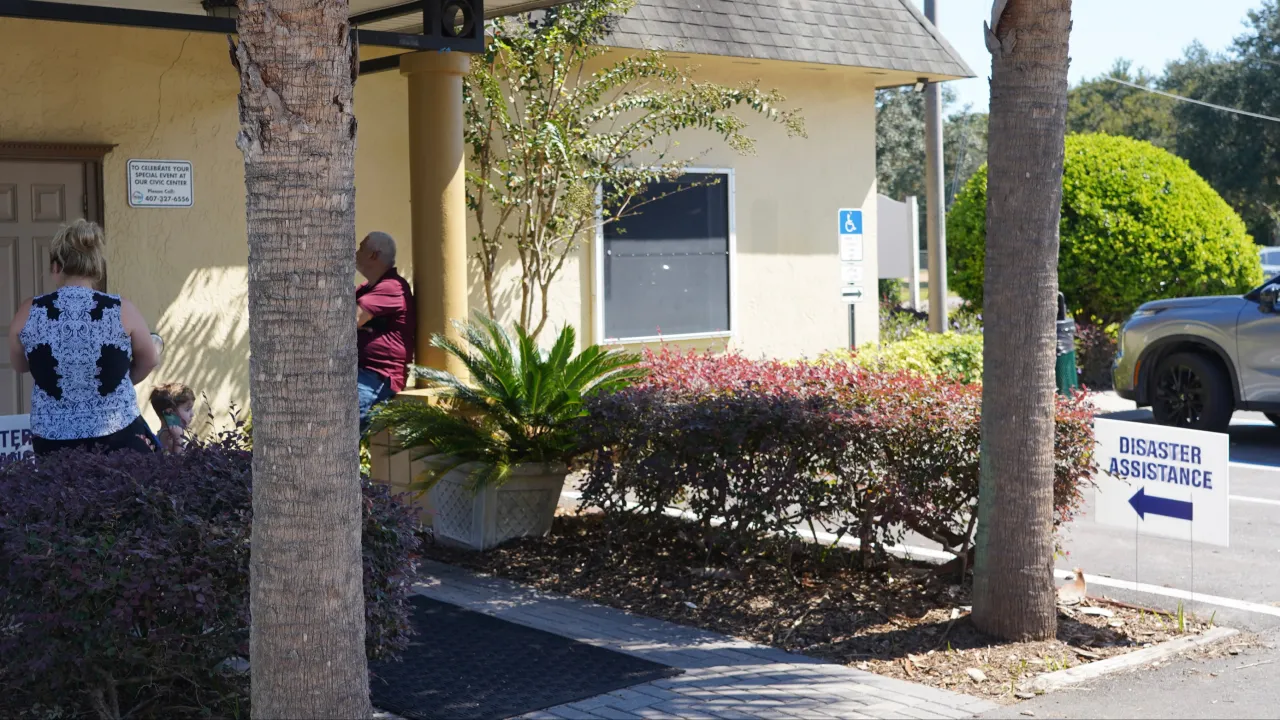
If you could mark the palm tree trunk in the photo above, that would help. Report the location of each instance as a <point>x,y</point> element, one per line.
<point>1013,595</point>
<point>298,138</point>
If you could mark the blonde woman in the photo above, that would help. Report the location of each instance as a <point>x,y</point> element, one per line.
<point>85,351</point>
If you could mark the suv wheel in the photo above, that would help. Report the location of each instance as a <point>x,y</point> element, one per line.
<point>1191,391</point>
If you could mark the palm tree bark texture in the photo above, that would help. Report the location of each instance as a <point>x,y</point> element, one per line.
<point>1013,595</point>
<point>307,638</point>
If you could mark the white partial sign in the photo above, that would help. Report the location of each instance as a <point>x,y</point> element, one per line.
<point>897,237</point>
<point>15,438</point>
<point>898,242</point>
<point>160,184</point>
<point>851,273</point>
<point>1164,481</point>
<point>851,248</point>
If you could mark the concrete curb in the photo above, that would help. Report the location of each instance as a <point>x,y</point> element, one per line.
<point>1072,676</point>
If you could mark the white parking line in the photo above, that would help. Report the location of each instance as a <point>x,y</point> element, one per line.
<point>1257,501</point>
<point>1174,593</point>
<point>1255,466</point>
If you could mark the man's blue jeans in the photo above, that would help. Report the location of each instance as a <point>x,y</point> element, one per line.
<point>374,389</point>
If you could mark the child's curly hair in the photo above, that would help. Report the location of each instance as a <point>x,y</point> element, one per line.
<point>169,397</point>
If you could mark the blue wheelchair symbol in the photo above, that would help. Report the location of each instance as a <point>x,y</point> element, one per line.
<point>850,222</point>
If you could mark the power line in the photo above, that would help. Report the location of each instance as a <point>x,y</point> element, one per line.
<point>1195,102</point>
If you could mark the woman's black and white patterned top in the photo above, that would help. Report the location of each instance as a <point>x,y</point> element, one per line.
<point>80,356</point>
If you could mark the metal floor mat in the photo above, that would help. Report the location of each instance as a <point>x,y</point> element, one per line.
<point>464,665</point>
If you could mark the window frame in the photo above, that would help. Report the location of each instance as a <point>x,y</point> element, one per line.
<point>598,279</point>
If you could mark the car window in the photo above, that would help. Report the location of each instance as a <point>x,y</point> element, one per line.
<point>1269,257</point>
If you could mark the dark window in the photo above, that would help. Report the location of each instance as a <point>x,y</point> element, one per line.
<point>666,264</point>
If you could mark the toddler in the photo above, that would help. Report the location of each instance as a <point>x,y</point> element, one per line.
<point>174,404</point>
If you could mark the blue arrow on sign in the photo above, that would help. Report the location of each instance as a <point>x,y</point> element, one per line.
<point>1144,503</point>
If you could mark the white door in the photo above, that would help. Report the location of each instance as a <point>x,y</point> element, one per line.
<point>36,199</point>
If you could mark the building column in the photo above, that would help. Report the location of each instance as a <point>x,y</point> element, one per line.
<point>438,196</point>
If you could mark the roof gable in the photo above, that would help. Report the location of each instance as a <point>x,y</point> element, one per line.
<point>883,34</point>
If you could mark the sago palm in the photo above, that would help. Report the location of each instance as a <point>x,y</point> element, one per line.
<point>520,405</point>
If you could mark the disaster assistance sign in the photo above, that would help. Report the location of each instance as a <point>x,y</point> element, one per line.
<point>1164,481</point>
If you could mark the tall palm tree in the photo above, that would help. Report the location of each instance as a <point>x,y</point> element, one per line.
<point>1013,595</point>
<point>298,139</point>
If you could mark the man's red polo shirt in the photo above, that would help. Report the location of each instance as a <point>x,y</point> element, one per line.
<point>386,342</point>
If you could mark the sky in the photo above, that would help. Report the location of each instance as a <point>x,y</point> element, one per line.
<point>1149,32</point>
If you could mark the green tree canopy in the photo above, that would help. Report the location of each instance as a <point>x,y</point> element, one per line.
<point>1239,155</point>
<point>900,143</point>
<point>1101,105</point>
<point>1137,224</point>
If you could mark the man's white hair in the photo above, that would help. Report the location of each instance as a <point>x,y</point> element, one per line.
<point>383,244</point>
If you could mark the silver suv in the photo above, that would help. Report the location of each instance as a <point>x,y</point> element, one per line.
<point>1195,361</point>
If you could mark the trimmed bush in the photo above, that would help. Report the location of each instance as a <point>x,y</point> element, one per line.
<point>899,323</point>
<point>1096,348</point>
<point>890,290</point>
<point>953,356</point>
<point>126,582</point>
<point>754,447</point>
<point>1138,224</point>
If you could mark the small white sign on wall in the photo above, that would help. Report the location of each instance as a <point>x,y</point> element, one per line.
<point>160,184</point>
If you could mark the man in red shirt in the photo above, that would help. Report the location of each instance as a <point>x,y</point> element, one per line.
<point>386,321</point>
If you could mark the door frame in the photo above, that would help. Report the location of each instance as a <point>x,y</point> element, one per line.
<point>91,157</point>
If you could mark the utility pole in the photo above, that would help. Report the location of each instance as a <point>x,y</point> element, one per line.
<point>935,208</point>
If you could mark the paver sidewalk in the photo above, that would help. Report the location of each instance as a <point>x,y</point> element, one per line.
<point>724,677</point>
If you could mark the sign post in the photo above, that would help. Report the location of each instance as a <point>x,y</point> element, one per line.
<point>1163,481</point>
<point>852,276</point>
<point>15,438</point>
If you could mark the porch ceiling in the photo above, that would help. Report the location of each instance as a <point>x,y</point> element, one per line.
<point>492,8</point>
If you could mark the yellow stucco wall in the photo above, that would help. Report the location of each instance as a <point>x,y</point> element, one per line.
<point>172,95</point>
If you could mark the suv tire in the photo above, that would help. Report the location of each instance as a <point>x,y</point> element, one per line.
<point>1191,391</point>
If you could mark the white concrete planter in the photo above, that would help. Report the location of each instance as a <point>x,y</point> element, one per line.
<point>523,506</point>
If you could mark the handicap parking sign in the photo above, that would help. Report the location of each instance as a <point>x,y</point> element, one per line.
<point>850,222</point>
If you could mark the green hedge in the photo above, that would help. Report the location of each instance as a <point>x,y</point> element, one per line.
<point>1138,224</point>
<point>953,356</point>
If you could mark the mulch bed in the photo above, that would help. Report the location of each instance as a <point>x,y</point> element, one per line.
<point>903,621</point>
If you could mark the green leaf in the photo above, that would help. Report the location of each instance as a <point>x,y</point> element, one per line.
<point>520,404</point>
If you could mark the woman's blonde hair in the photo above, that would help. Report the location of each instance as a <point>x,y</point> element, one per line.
<point>79,249</point>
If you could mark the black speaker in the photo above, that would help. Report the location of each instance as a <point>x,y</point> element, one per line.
<point>457,24</point>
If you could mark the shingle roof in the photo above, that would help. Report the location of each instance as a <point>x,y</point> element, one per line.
<point>884,34</point>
